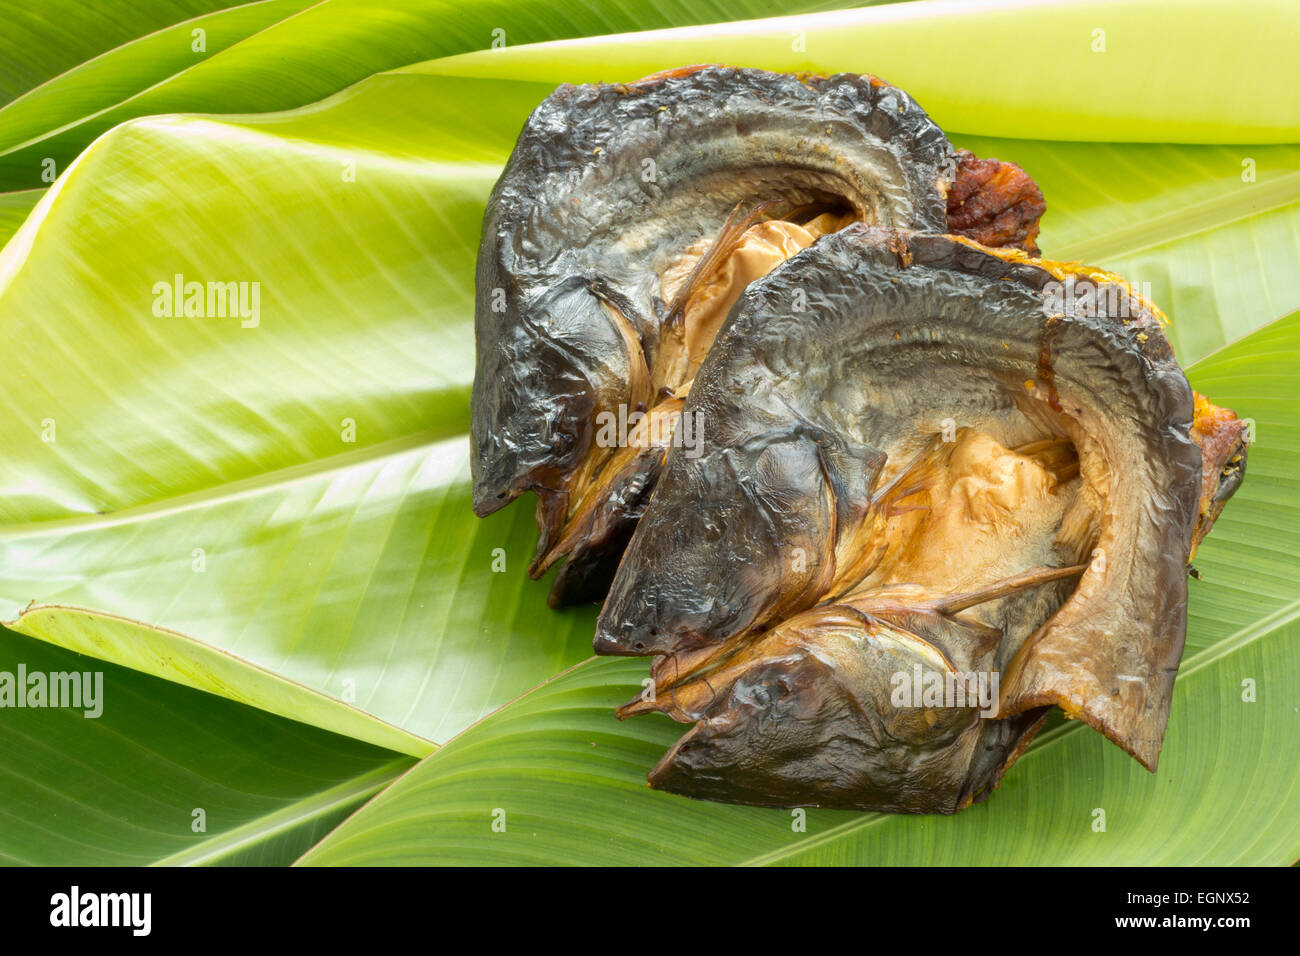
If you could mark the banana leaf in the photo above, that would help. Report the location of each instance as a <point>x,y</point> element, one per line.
<point>274,506</point>
<point>14,208</point>
<point>279,54</point>
<point>155,773</point>
<point>41,42</point>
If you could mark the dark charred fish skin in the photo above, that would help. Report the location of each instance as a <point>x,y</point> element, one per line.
<point>801,412</point>
<point>607,185</point>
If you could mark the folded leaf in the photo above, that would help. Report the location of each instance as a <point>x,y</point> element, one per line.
<point>161,774</point>
<point>274,56</point>
<point>40,42</point>
<point>1067,71</point>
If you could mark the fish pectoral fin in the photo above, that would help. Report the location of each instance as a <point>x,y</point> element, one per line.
<point>723,245</point>
<point>963,643</point>
<point>926,469</point>
<point>1035,577</point>
<point>938,621</point>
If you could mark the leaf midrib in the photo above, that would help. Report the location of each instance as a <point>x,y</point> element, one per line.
<point>1253,200</point>
<point>233,490</point>
<point>424,747</point>
<point>300,811</point>
<point>96,114</point>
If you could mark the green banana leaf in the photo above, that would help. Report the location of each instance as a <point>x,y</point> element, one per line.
<point>288,497</point>
<point>376,491</point>
<point>1179,71</point>
<point>96,86</point>
<point>122,788</point>
<point>275,507</point>
<point>40,41</point>
<point>279,54</point>
<point>14,208</point>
